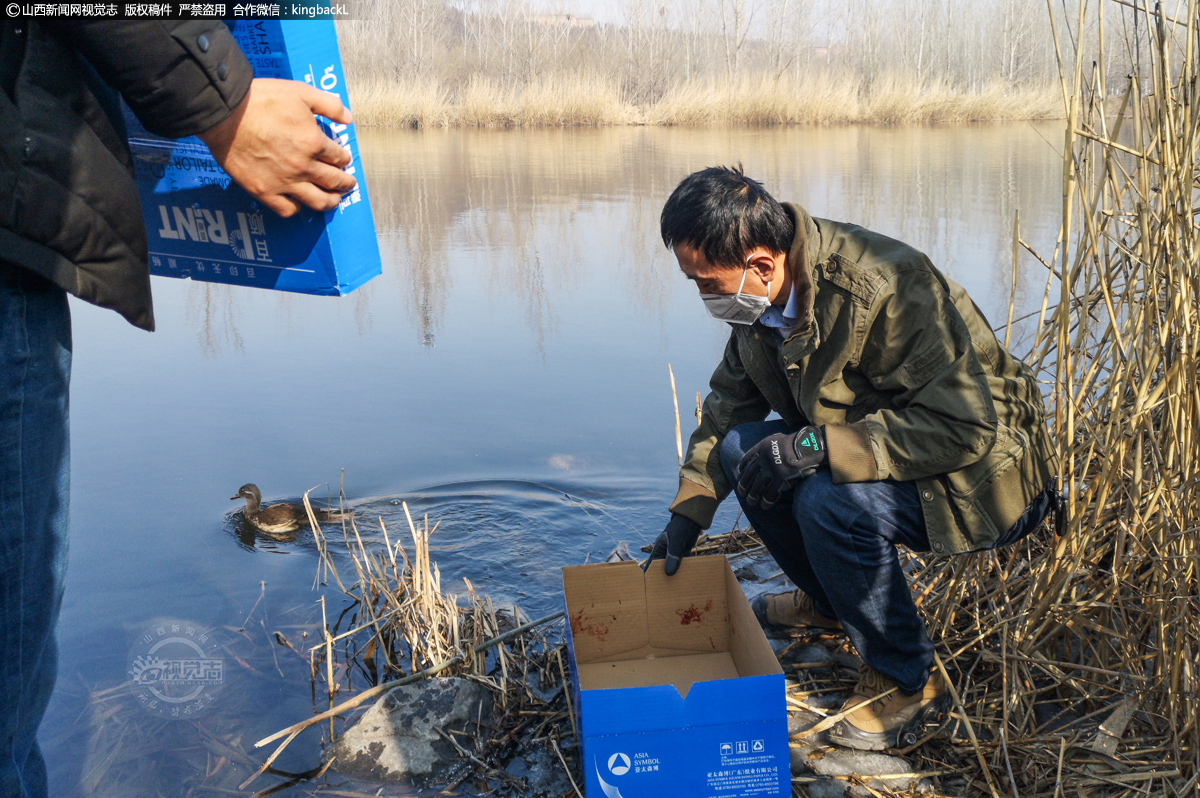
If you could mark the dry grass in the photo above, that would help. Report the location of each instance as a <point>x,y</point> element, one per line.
<point>402,627</point>
<point>413,104</point>
<point>1077,655</point>
<point>588,99</point>
<point>546,102</point>
<point>826,100</point>
<point>1073,658</point>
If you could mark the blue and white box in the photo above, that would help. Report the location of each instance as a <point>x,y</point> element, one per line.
<point>202,225</point>
<point>675,688</point>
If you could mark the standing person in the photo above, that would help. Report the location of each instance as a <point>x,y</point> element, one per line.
<point>70,222</point>
<point>903,421</point>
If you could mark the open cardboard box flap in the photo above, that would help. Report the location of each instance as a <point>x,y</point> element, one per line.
<point>631,629</point>
<point>675,688</point>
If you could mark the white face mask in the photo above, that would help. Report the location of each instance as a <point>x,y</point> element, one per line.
<point>737,308</point>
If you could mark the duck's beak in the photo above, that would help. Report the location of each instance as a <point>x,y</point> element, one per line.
<point>234,498</point>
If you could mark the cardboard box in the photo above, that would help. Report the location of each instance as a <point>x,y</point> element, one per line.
<point>203,226</point>
<point>676,690</point>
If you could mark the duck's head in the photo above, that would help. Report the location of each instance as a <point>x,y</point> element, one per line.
<point>249,492</point>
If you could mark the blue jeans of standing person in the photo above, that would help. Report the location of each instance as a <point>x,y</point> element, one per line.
<point>35,369</point>
<point>838,544</point>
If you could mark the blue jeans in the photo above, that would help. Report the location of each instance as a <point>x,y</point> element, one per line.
<point>35,369</point>
<point>838,544</point>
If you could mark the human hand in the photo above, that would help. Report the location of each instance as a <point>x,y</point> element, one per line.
<point>675,542</point>
<point>776,463</point>
<point>272,146</point>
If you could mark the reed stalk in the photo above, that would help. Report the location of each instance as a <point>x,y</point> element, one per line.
<point>400,615</point>
<point>567,99</point>
<point>1092,638</point>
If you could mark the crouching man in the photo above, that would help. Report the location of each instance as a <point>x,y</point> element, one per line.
<point>903,421</point>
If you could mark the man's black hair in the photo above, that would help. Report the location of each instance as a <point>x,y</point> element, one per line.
<point>725,214</point>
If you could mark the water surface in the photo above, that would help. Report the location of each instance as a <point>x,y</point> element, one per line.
<point>506,375</point>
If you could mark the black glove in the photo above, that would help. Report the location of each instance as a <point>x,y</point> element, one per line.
<point>675,542</point>
<point>777,463</point>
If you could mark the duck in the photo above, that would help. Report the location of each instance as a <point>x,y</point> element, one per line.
<point>280,518</point>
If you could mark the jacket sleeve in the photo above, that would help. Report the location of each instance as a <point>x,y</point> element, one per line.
<point>917,350</point>
<point>179,77</point>
<point>733,399</point>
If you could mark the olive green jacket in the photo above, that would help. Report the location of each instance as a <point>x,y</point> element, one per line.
<point>906,376</point>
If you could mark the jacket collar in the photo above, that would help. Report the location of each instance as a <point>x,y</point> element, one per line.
<point>807,247</point>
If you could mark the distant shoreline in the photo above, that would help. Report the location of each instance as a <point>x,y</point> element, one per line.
<point>592,101</point>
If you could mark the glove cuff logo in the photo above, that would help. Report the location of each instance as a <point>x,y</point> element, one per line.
<point>808,440</point>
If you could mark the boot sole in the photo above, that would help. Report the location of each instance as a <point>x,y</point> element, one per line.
<point>847,735</point>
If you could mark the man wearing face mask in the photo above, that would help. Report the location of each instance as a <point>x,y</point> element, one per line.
<point>903,421</point>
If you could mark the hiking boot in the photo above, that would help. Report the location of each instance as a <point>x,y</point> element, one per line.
<point>791,609</point>
<point>889,721</point>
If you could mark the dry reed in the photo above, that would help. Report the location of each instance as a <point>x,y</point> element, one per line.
<point>1076,655</point>
<point>404,627</point>
<point>571,99</point>
<point>1073,657</point>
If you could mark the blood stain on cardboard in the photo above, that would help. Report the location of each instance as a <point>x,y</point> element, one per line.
<point>692,614</point>
<point>596,630</point>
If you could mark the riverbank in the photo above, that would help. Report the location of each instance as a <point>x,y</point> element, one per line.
<point>567,100</point>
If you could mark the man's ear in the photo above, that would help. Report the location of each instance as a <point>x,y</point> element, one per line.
<point>763,263</point>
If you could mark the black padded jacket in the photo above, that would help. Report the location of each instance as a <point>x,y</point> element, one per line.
<point>69,209</point>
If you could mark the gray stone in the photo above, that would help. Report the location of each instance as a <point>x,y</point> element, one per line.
<point>778,645</point>
<point>746,574</point>
<point>540,771</point>
<point>799,763</point>
<point>837,761</point>
<point>395,741</point>
<point>758,573</point>
<point>826,788</point>
<point>826,760</point>
<point>809,654</point>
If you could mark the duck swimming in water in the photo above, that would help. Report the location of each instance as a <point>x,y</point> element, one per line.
<point>279,518</point>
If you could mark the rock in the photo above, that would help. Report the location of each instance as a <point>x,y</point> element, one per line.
<point>395,741</point>
<point>955,786</point>
<point>540,771</point>
<point>746,574</point>
<point>837,761</point>
<point>758,573</point>
<point>778,645</point>
<point>827,788</point>
<point>810,654</point>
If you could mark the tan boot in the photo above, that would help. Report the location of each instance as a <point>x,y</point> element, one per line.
<point>791,609</point>
<point>887,719</point>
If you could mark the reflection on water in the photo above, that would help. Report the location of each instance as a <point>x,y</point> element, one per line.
<point>495,532</point>
<point>552,202</point>
<point>513,356</point>
<point>534,208</point>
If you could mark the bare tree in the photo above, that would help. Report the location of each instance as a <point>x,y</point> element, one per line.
<point>734,18</point>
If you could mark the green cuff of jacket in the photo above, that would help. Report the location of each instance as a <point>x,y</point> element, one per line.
<point>695,502</point>
<point>851,458</point>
